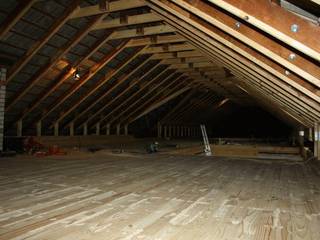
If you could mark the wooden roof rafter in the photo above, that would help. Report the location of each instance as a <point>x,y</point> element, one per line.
<point>167,16</point>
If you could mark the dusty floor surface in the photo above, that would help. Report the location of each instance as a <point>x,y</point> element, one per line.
<point>103,196</point>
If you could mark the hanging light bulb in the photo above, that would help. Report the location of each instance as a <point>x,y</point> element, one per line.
<point>76,74</point>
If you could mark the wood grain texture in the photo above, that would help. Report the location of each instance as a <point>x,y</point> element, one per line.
<point>136,196</point>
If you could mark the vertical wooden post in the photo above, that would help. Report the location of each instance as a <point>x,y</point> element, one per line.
<point>118,129</point>
<point>310,135</point>
<point>3,79</point>
<point>19,128</point>
<point>108,129</point>
<point>71,129</point>
<point>126,130</point>
<point>169,131</point>
<point>159,130</point>
<point>317,143</point>
<point>165,131</point>
<point>39,129</point>
<point>56,129</point>
<point>85,129</point>
<point>98,128</point>
<point>301,137</point>
<point>315,140</point>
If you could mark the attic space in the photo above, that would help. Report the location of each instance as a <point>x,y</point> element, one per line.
<point>159,119</point>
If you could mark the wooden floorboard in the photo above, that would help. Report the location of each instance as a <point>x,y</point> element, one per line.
<point>136,196</point>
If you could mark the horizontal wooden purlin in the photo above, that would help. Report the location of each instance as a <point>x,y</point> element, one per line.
<point>278,23</point>
<point>129,20</point>
<point>170,55</point>
<point>261,43</point>
<point>131,33</point>
<point>156,40</point>
<point>192,31</point>
<point>21,9</point>
<point>170,48</point>
<point>186,65</point>
<point>114,6</point>
<point>186,60</point>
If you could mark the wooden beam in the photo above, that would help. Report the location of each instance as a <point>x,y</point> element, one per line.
<point>131,33</point>
<point>160,103</point>
<point>223,40</point>
<point>170,48</point>
<point>114,6</point>
<point>67,73</point>
<point>130,99</point>
<point>85,78</point>
<point>279,23</point>
<point>175,82</point>
<point>99,84</point>
<point>264,45</point>
<point>179,105</point>
<point>129,20</point>
<point>119,81</point>
<point>42,41</point>
<point>53,61</point>
<point>157,39</point>
<point>21,9</point>
<point>93,115</point>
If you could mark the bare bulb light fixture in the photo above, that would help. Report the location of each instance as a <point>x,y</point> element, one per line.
<point>76,75</point>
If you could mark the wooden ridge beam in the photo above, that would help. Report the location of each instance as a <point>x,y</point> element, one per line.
<point>114,6</point>
<point>86,77</point>
<point>279,23</point>
<point>42,41</point>
<point>261,43</point>
<point>97,113</point>
<point>21,9</point>
<point>53,61</point>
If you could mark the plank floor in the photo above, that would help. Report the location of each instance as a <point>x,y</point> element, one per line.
<point>103,196</point>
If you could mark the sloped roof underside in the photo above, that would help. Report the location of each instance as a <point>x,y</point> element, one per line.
<point>134,56</point>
